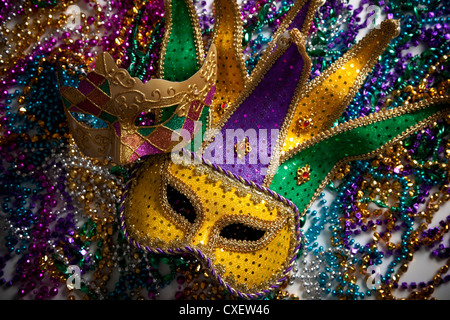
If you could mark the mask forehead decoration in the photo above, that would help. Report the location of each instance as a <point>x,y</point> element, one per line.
<point>243,218</point>
<point>109,93</point>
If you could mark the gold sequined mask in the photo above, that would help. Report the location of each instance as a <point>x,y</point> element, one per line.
<point>111,95</point>
<point>247,235</point>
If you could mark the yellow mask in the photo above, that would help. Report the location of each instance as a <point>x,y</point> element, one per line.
<point>247,235</point>
<point>110,94</point>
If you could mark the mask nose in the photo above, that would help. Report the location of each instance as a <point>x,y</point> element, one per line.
<point>132,146</point>
<point>201,238</point>
<point>129,146</point>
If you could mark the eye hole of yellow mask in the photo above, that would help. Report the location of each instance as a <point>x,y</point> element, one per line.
<point>246,235</point>
<point>181,205</point>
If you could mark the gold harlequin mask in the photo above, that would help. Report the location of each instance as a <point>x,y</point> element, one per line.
<point>247,235</point>
<point>111,95</point>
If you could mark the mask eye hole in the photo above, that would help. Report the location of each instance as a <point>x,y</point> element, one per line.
<point>89,120</point>
<point>145,119</point>
<point>241,231</point>
<point>181,204</point>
